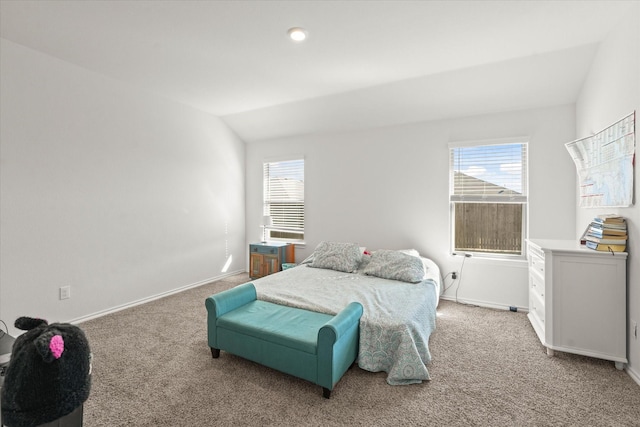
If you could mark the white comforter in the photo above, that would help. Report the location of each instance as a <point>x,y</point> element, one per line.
<point>396,324</point>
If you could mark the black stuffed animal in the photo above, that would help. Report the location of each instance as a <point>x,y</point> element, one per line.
<point>49,374</point>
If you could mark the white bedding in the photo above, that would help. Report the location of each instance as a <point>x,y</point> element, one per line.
<point>397,321</point>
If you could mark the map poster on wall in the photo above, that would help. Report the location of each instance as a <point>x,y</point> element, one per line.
<point>604,162</point>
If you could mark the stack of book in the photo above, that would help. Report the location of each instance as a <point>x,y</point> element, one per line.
<point>606,233</point>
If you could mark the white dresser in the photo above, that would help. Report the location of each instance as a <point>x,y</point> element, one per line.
<point>577,299</point>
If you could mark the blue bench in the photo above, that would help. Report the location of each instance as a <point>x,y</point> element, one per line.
<point>316,347</point>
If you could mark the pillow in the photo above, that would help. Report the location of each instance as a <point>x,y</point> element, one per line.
<point>411,252</point>
<point>396,265</point>
<point>307,260</point>
<point>337,256</point>
<point>364,261</point>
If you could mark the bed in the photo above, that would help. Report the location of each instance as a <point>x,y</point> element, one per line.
<point>399,291</point>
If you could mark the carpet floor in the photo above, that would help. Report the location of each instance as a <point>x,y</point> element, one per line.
<point>152,367</point>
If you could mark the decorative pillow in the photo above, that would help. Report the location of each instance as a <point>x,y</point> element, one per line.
<point>337,256</point>
<point>307,260</point>
<point>364,261</point>
<point>396,265</point>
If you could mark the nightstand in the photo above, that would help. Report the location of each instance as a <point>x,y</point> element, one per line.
<point>267,257</point>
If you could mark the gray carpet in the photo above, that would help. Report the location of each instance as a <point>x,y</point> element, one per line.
<point>152,367</point>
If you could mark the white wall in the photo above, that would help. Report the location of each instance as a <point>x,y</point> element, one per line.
<point>117,193</point>
<point>611,91</point>
<point>388,188</point>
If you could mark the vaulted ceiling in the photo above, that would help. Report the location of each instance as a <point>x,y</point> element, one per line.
<point>364,64</point>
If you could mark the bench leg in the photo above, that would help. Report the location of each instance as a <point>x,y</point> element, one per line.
<point>326,393</point>
<point>215,352</point>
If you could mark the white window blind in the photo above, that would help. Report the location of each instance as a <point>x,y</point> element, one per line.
<point>489,173</point>
<point>284,198</point>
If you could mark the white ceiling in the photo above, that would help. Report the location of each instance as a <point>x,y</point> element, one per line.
<point>364,64</point>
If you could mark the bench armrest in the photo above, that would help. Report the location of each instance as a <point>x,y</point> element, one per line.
<point>225,301</point>
<point>344,321</point>
<point>338,345</point>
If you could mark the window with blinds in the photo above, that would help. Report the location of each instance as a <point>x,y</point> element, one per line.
<point>488,197</point>
<point>284,199</point>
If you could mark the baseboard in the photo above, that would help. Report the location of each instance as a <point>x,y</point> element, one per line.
<point>149,299</point>
<point>633,374</point>
<point>485,304</point>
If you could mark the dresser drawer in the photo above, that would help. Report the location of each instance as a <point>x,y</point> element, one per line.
<point>536,284</point>
<point>536,307</point>
<point>536,264</point>
<point>536,251</point>
<point>259,249</point>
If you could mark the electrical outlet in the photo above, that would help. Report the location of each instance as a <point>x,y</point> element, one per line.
<point>65,292</point>
<point>454,275</point>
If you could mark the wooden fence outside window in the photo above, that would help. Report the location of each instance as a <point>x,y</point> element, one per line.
<point>488,227</point>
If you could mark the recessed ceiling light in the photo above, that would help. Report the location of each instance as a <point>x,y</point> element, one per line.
<point>297,34</point>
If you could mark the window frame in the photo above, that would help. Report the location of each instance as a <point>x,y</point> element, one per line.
<point>522,198</point>
<point>265,203</point>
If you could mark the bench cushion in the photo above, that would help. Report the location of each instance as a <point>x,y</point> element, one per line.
<point>287,326</point>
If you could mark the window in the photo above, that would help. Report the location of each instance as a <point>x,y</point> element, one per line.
<point>488,197</point>
<point>284,199</point>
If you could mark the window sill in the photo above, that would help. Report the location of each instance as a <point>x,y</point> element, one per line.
<point>489,259</point>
